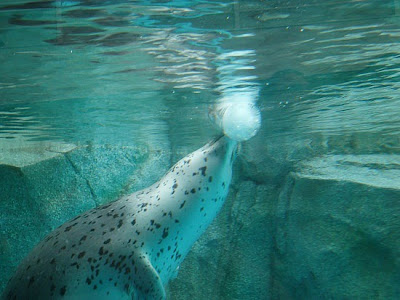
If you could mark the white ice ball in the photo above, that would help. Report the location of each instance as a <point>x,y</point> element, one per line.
<point>241,121</point>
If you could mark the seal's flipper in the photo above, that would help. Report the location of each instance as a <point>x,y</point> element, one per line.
<point>148,282</point>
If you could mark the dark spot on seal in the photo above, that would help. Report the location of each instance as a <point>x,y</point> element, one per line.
<point>68,228</point>
<point>165,233</point>
<point>82,254</point>
<point>52,287</point>
<point>210,179</point>
<point>193,190</point>
<point>52,261</point>
<point>76,218</point>
<point>119,223</point>
<point>182,205</point>
<point>203,170</point>
<point>107,241</point>
<point>133,222</point>
<point>88,281</point>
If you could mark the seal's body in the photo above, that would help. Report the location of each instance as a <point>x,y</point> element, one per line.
<point>130,248</point>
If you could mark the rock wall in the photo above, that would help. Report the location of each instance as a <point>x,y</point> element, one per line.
<point>338,229</point>
<point>303,223</point>
<point>323,228</point>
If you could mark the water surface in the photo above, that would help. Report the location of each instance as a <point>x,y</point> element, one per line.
<point>104,70</point>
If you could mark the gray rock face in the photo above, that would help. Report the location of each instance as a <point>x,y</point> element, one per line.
<point>330,232</point>
<point>338,229</point>
<point>324,228</point>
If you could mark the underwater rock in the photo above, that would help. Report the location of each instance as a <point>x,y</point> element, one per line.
<point>18,226</point>
<point>328,228</point>
<point>22,222</point>
<point>338,230</point>
<point>329,231</point>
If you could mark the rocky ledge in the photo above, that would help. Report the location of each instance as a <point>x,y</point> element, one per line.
<point>330,231</point>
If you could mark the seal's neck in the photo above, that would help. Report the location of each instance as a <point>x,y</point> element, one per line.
<point>195,188</point>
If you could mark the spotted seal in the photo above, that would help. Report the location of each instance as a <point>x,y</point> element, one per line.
<point>130,248</point>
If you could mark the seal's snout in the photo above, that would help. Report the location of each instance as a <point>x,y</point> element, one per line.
<point>223,147</point>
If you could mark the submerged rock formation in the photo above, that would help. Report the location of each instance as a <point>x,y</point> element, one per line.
<point>298,225</point>
<point>331,231</point>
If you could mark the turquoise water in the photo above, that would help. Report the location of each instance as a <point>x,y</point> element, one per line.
<point>121,66</point>
<point>315,192</point>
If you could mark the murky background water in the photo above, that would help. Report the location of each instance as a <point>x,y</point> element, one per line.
<point>325,75</point>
